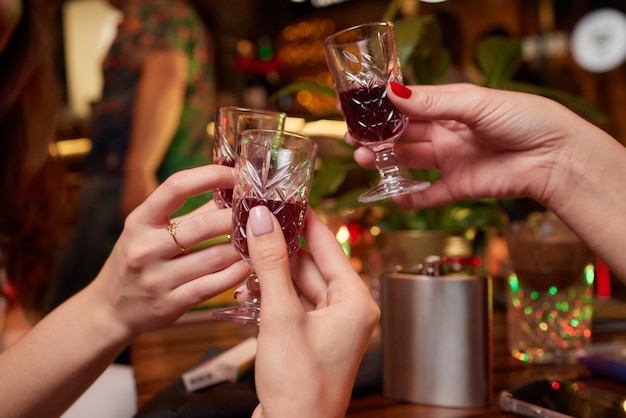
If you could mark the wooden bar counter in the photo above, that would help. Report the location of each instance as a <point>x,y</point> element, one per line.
<point>160,357</point>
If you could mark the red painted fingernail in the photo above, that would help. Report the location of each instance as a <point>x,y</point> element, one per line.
<point>400,90</point>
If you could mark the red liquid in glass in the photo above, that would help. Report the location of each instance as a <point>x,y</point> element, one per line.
<point>290,215</point>
<point>224,197</point>
<point>370,115</point>
<point>225,161</point>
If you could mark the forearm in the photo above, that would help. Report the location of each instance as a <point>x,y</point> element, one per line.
<point>590,195</point>
<point>158,107</point>
<point>51,366</point>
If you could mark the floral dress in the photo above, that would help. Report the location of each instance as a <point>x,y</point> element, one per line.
<point>148,27</point>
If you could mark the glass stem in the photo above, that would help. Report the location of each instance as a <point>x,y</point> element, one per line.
<point>387,164</point>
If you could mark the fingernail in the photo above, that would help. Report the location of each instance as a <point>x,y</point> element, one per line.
<point>261,220</point>
<point>239,291</point>
<point>400,90</point>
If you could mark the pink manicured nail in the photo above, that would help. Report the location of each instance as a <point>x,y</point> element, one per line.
<point>261,220</point>
<point>239,291</point>
<point>400,90</point>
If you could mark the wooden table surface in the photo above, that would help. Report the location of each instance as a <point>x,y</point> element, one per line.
<point>160,357</point>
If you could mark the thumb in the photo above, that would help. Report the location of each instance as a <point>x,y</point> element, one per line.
<point>268,254</point>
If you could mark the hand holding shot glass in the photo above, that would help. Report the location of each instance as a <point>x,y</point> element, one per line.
<point>229,121</point>
<point>273,168</point>
<point>363,60</point>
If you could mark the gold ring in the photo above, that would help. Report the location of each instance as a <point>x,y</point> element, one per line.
<point>172,230</point>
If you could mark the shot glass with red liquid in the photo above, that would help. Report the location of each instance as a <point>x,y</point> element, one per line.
<point>273,168</point>
<point>363,60</point>
<point>229,121</point>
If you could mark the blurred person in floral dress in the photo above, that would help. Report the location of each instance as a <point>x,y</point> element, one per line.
<point>150,122</point>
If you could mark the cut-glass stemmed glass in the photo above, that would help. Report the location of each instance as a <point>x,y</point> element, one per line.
<point>273,168</point>
<point>362,61</point>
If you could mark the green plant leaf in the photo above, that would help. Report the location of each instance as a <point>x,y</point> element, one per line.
<point>479,213</point>
<point>328,178</point>
<point>391,12</point>
<point>408,32</point>
<point>430,60</point>
<point>498,57</point>
<point>349,200</point>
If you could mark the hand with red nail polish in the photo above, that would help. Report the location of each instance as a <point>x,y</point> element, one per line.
<point>489,143</point>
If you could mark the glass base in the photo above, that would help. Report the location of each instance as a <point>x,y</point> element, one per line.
<point>391,187</point>
<point>244,314</point>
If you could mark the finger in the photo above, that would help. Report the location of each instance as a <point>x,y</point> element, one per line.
<point>241,294</point>
<point>268,253</point>
<point>350,139</point>
<point>310,284</point>
<point>364,157</point>
<point>200,263</point>
<point>198,227</point>
<point>209,285</point>
<point>343,284</point>
<point>328,254</point>
<point>445,102</point>
<point>175,190</point>
<point>466,103</point>
<point>188,231</point>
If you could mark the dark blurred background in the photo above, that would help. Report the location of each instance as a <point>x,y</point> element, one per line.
<point>261,46</point>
